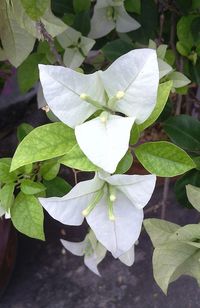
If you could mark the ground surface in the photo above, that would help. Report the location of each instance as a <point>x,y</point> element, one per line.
<point>45,277</point>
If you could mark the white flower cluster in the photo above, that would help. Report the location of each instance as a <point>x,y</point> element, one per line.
<point>116,98</point>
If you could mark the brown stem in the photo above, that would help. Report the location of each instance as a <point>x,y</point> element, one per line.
<point>50,41</point>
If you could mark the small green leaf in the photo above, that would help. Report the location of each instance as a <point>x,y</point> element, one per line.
<point>28,72</point>
<point>125,163</point>
<point>135,134</point>
<point>57,187</point>
<point>159,230</point>
<point>50,169</point>
<point>27,216</point>
<point>184,30</point>
<point>23,130</point>
<point>44,142</point>
<point>184,130</point>
<point>179,80</point>
<point>164,158</point>
<point>163,94</point>
<point>193,194</point>
<point>133,6</point>
<point>82,22</point>
<point>5,175</point>
<point>7,196</point>
<point>192,177</point>
<point>35,8</point>
<point>80,5</point>
<point>76,159</point>
<point>30,187</point>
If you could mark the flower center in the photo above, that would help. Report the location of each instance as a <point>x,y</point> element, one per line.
<point>111,13</point>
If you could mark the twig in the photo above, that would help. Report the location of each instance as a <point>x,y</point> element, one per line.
<point>50,41</point>
<point>165,197</point>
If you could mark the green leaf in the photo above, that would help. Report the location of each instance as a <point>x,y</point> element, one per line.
<point>174,259</point>
<point>50,169</point>
<point>164,158</point>
<point>179,80</point>
<point>162,97</point>
<point>192,177</point>
<point>76,159</point>
<point>184,30</point>
<point>193,194</point>
<point>35,8</point>
<point>80,5</point>
<point>182,49</point>
<point>16,42</point>
<point>82,22</point>
<point>44,142</point>
<point>114,49</point>
<point>184,131</point>
<point>7,196</point>
<point>28,72</point>
<point>188,233</point>
<point>30,187</point>
<point>135,134</point>
<point>133,6</point>
<point>125,163</point>
<point>27,216</point>
<point>5,175</point>
<point>159,230</point>
<point>57,187</point>
<point>23,130</point>
<point>161,51</point>
<point>170,57</point>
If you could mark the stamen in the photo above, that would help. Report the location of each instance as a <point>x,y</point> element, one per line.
<point>120,95</point>
<point>111,200</point>
<point>89,100</point>
<point>104,116</point>
<point>96,198</point>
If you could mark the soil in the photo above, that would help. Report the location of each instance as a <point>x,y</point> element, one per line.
<point>47,276</point>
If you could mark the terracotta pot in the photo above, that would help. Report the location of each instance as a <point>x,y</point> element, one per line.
<point>8,249</point>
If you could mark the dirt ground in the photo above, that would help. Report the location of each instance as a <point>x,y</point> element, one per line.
<point>46,277</point>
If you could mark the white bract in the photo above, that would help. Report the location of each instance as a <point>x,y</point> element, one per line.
<point>93,251</point>
<point>128,87</point>
<point>112,205</point>
<point>108,15</point>
<point>76,47</point>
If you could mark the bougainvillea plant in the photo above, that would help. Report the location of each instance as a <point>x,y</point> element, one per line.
<point>108,74</point>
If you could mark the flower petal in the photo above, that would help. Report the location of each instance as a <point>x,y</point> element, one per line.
<point>100,25</point>
<point>117,236</point>
<point>62,88</point>
<point>137,75</point>
<point>105,143</point>
<point>73,58</point>
<point>68,209</point>
<point>128,257</point>
<point>77,249</point>
<point>68,37</point>
<point>91,263</point>
<point>164,68</point>
<point>137,188</point>
<point>125,22</point>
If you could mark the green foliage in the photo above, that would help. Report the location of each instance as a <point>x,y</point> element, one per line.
<point>163,158</point>
<point>80,5</point>
<point>29,187</point>
<point>7,196</point>
<point>76,159</point>
<point>193,194</point>
<point>113,50</point>
<point>23,130</point>
<point>125,164</point>
<point>35,8</point>
<point>184,130</point>
<point>56,187</point>
<point>44,142</point>
<point>176,253</point>
<point>50,169</point>
<point>27,216</point>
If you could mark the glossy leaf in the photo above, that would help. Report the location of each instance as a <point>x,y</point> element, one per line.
<point>30,187</point>
<point>44,142</point>
<point>163,158</point>
<point>50,169</point>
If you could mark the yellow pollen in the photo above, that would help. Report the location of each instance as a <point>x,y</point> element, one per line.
<point>120,94</point>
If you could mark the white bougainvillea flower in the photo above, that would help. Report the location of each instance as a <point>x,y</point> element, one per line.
<point>128,86</point>
<point>108,15</point>
<point>93,251</point>
<point>76,47</point>
<point>112,205</point>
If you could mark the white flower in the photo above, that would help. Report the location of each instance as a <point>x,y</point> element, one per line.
<point>112,205</point>
<point>76,47</point>
<point>108,15</point>
<point>93,251</point>
<point>128,86</point>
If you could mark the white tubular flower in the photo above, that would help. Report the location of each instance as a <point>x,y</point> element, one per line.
<point>112,206</point>
<point>128,86</point>
<point>108,15</point>
<point>76,47</point>
<point>93,251</point>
